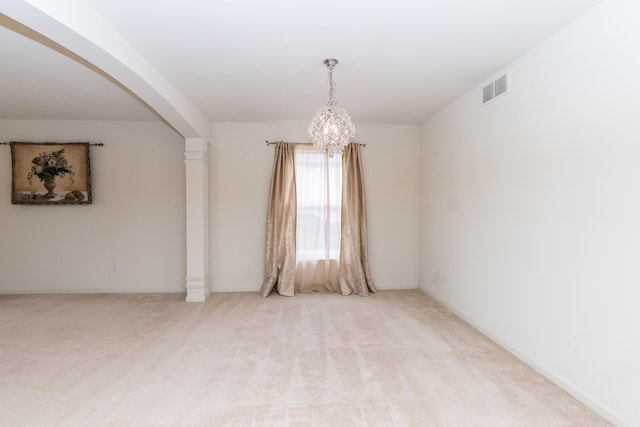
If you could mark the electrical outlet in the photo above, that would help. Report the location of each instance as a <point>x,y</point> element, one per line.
<point>116,268</point>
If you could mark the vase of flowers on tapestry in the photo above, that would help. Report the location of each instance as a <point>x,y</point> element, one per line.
<point>48,166</point>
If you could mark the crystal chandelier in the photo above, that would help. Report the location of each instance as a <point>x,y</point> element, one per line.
<point>331,128</point>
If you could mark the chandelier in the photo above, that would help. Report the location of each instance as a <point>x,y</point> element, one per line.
<point>331,128</point>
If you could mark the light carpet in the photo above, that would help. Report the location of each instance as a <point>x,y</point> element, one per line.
<point>395,358</point>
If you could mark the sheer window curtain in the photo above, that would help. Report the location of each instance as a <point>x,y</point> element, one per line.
<point>318,193</point>
<point>355,276</point>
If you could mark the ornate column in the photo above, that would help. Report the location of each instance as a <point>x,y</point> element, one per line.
<point>196,159</point>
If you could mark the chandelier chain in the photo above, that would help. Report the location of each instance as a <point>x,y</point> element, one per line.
<point>332,86</point>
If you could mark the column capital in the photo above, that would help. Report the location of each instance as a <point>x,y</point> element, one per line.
<point>196,156</point>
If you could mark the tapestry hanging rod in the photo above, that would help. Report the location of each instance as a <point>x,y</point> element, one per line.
<point>93,144</point>
<point>307,143</point>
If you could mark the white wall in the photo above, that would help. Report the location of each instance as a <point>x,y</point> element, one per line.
<point>137,218</point>
<point>136,221</point>
<point>530,217</point>
<point>240,173</point>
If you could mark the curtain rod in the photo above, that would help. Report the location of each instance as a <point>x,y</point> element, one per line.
<point>92,144</point>
<point>306,143</point>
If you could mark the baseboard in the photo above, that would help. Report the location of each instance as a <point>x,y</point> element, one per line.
<point>561,382</point>
<point>393,286</point>
<point>86,291</point>
<point>227,289</point>
<point>381,287</point>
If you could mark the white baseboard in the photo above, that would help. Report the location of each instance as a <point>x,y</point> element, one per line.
<point>86,291</point>
<point>393,286</point>
<point>380,287</point>
<point>558,380</point>
<point>226,289</point>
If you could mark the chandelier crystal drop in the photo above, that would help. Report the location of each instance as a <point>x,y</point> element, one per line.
<point>331,128</point>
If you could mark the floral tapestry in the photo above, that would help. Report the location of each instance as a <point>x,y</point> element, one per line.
<point>50,173</point>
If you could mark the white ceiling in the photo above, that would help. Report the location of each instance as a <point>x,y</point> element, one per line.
<point>252,60</point>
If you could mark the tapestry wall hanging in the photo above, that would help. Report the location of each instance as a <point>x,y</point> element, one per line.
<point>50,173</point>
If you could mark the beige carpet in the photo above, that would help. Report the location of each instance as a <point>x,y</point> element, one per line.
<point>395,358</point>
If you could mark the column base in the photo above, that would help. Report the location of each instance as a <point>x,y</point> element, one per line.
<point>197,289</point>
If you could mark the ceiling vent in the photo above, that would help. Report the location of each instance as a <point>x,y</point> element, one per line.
<point>496,88</point>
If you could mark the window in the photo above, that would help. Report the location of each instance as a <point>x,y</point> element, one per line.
<point>319,194</point>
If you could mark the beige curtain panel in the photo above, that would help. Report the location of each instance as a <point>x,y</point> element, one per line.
<point>355,276</point>
<point>280,253</point>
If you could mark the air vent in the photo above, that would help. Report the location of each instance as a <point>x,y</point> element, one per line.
<point>500,85</point>
<point>487,93</point>
<point>496,88</point>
